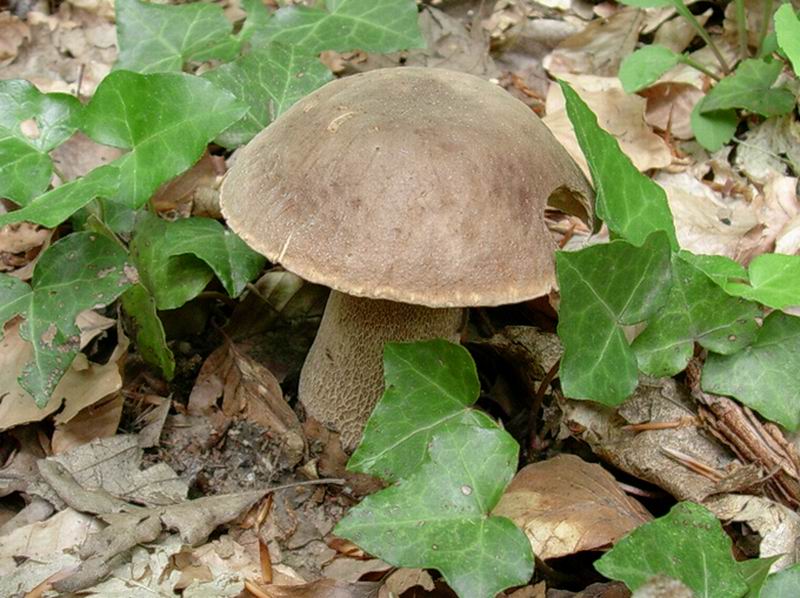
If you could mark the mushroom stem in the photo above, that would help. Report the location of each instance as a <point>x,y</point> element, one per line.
<point>342,378</point>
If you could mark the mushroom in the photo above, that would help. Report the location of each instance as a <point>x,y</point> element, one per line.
<point>412,193</point>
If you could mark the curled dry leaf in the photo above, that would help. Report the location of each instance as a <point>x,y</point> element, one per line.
<point>566,505</point>
<point>82,385</point>
<point>619,113</point>
<point>48,547</point>
<point>669,107</point>
<point>599,48</point>
<point>100,420</point>
<point>706,221</point>
<point>324,588</point>
<point>778,526</point>
<point>649,454</point>
<point>13,33</point>
<point>196,191</point>
<point>249,391</point>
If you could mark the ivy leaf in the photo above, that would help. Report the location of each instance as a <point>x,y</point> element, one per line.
<point>176,259</point>
<point>49,119</point>
<point>763,376</point>
<point>55,206</point>
<point>755,572</point>
<point>697,310</point>
<point>787,30</point>
<point>750,88</point>
<point>631,204</point>
<point>156,38</point>
<point>603,288</point>
<point>714,129</point>
<point>156,117</point>
<point>24,171</point>
<point>645,66</point>
<point>718,268</point>
<point>56,115</point>
<point>782,584</point>
<point>439,516</point>
<point>79,272</point>
<point>151,341</point>
<point>774,280</point>
<point>268,80</point>
<point>440,379</point>
<point>345,25</point>
<point>688,544</point>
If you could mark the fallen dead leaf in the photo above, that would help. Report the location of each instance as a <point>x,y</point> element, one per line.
<point>677,33</point>
<point>402,580</point>
<point>642,453</point>
<point>599,48</point>
<point>768,149</point>
<point>48,549</point>
<point>79,155</point>
<point>153,420</point>
<point>13,33</point>
<point>196,191</point>
<point>669,107</point>
<point>706,221</point>
<point>566,505</point>
<point>100,420</point>
<point>251,392</point>
<point>82,385</point>
<point>778,526</point>
<point>619,113</point>
<point>323,588</point>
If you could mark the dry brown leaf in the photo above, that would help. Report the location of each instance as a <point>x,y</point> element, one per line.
<point>196,191</point>
<point>706,221</point>
<point>223,556</point>
<point>619,113</point>
<point>669,107</point>
<point>249,391</point>
<point>599,48</point>
<point>323,588</point>
<point>79,155</point>
<point>347,569</point>
<point>769,148</point>
<point>100,420</point>
<point>13,33</point>
<point>405,579</point>
<point>778,526</point>
<point>83,384</point>
<point>49,547</point>
<point>153,420</point>
<point>566,505</point>
<point>91,324</point>
<point>642,454</point>
<point>21,237</point>
<point>677,33</point>
<point>103,8</point>
<point>778,213</point>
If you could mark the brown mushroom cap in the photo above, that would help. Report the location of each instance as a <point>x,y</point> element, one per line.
<point>416,185</point>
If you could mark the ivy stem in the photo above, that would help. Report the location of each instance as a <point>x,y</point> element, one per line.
<point>684,11</point>
<point>741,25</point>
<point>697,66</point>
<point>765,17</point>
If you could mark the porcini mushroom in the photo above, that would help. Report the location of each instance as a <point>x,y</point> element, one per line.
<point>412,193</point>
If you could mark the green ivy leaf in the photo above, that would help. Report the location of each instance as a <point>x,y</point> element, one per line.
<point>440,380</point>
<point>603,288</point>
<point>787,30</point>
<point>750,88</point>
<point>157,117</point>
<point>176,259</point>
<point>688,544</point>
<point>718,268</point>
<point>345,25</point>
<point>697,310</point>
<point>631,204</point>
<point>79,272</point>
<point>645,66</point>
<point>55,206</point>
<point>151,341</point>
<point>712,130</point>
<point>763,376</point>
<point>156,38</point>
<point>755,572</point>
<point>268,80</point>
<point>24,171</point>
<point>439,516</point>
<point>774,280</point>
<point>782,584</point>
<point>57,115</point>
<point>25,167</point>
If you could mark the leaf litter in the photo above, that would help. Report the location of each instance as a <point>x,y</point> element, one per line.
<point>95,485</point>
